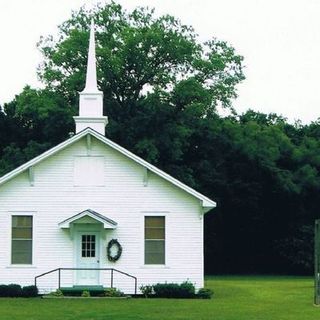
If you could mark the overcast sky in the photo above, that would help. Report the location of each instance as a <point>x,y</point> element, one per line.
<point>279,39</point>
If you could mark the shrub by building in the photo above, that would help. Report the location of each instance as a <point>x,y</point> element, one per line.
<point>16,291</point>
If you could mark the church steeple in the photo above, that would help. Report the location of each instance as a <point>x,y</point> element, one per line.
<point>91,79</point>
<point>91,99</point>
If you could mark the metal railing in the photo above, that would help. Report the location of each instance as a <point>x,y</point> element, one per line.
<point>58,270</point>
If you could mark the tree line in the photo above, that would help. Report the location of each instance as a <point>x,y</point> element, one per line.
<point>162,89</point>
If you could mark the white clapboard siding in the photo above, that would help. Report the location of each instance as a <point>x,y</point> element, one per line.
<point>123,198</point>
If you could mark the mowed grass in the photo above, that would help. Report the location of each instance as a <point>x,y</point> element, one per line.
<point>236,298</point>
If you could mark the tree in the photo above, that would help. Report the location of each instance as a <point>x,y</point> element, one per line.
<point>31,123</point>
<point>156,78</point>
<point>139,55</point>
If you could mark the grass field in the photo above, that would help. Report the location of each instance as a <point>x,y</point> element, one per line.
<point>236,298</point>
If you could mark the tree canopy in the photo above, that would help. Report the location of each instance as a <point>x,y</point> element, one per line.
<point>162,89</point>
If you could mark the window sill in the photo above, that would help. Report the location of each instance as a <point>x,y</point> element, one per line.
<point>21,266</point>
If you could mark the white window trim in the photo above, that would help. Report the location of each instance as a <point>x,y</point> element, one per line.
<point>164,214</point>
<point>22,213</point>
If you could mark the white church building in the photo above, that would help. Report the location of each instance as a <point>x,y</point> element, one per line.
<point>90,213</point>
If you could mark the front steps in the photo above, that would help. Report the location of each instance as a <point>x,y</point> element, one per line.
<point>77,290</point>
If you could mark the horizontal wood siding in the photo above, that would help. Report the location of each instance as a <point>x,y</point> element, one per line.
<point>124,199</point>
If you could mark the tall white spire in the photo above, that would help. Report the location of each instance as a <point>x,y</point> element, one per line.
<point>91,79</point>
<point>91,99</point>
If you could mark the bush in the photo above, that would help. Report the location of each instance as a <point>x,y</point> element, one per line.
<point>57,293</point>
<point>113,292</point>
<point>166,290</point>
<point>187,290</point>
<point>3,290</point>
<point>29,291</point>
<point>204,293</point>
<point>85,294</point>
<point>173,290</point>
<point>14,290</point>
<point>146,290</point>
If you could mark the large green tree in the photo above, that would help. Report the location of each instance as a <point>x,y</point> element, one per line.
<point>142,60</point>
<point>157,79</point>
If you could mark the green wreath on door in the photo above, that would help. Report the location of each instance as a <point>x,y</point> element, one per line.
<point>114,256</point>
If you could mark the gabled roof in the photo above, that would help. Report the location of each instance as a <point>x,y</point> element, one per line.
<point>207,203</point>
<point>107,223</point>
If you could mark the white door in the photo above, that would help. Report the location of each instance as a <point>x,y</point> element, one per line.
<point>88,244</point>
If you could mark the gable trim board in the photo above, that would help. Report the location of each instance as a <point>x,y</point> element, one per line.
<point>206,203</point>
<point>107,222</point>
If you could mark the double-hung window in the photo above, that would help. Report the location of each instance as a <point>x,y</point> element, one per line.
<point>154,240</point>
<point>21,243</point>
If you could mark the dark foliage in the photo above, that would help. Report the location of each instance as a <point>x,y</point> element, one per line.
<point>13,290</point>
<point>174,290</point>
<point>29,291</point>
<point>16,291</point>
<point>205,293</point>
<point>3,290</point>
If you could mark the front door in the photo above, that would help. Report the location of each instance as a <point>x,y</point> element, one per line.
<point>88,244</point>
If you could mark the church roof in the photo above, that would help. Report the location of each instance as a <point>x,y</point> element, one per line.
<point>107,222</point>
<point>207,203</point>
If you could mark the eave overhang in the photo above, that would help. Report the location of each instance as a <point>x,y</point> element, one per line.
<point>99,218</point>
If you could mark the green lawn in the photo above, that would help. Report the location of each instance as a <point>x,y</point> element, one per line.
<point>236,298</point>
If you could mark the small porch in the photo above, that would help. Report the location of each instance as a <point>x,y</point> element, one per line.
<point>89,268</point>
<point>88,231</point>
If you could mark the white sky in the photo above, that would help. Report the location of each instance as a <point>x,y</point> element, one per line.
<point>280,40</point>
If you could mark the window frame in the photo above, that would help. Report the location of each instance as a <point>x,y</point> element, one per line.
<point>28,214</point>
<point>87,248</point>
<point>155,214</point>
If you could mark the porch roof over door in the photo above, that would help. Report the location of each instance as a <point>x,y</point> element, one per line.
<point>99,218</point>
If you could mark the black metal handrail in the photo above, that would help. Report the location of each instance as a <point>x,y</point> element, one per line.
<point>103,269</point>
